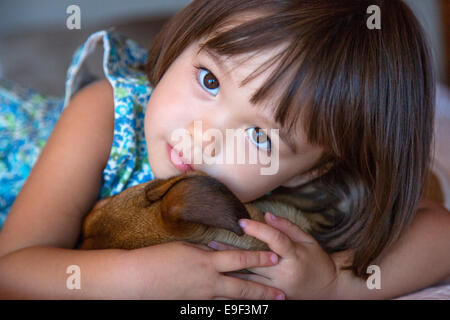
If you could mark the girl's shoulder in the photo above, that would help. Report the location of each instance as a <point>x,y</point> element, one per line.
<point>123,59</point>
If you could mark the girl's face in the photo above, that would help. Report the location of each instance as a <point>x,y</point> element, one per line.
<point>198,87</point>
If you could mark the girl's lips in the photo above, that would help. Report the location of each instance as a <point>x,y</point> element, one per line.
<point>176,160</point>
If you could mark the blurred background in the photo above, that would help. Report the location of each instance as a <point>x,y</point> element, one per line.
<point>36,47</point>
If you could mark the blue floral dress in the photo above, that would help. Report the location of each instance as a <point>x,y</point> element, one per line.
<point>27,119</point>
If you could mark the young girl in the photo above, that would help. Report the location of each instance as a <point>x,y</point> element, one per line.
<point>354,107</point>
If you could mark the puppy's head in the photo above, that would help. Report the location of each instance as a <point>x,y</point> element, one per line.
<point>195,196</point>
<point>131,219</point>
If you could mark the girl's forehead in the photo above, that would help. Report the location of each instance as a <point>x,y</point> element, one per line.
<point>232,22</point>
<point>238,19</point>
<point>248,69</point>
<point>247,73</point>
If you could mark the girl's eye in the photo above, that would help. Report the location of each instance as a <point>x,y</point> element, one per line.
<point>258,136</point>
<point>209,81</point>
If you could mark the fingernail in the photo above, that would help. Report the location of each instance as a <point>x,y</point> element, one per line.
<point>213,244</point>
<point>272,216</point>
<point>242,223</point>
<point>273,258</point>
<point>279,296</point>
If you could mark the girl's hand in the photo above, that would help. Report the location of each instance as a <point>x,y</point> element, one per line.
<point>181,270</point>
<point>304,271</point>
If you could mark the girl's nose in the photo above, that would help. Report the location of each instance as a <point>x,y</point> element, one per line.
<point>203,137</point>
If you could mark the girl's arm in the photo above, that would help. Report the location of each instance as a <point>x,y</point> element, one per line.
<point>419,259</point>
<point>60,190</point>
<point>39,272</point>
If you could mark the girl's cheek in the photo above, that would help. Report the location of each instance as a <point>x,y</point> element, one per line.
<point>159,105</point>
<point>246,183</point>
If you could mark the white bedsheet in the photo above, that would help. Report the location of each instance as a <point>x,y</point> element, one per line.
<point>440,291</point>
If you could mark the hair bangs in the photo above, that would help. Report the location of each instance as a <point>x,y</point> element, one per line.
<point>291,81</point>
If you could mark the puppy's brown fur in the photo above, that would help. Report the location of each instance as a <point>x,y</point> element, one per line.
<point>190,207</point>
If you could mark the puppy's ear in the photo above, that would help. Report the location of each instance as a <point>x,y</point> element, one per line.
<point>157,188</point>
<point>202,199</point>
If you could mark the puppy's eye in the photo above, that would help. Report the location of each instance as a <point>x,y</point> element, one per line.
<point>208,81</point>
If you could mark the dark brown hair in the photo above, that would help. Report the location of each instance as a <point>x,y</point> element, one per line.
<point>366,96</point>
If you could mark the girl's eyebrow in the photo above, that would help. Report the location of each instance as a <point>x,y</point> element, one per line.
<point>216,58</point>
<point>285,134</point>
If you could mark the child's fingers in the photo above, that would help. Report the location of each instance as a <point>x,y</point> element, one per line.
<point>199,245</point>
<point>265,272</point>
<point>276,240</point>
<point>290,229</point>
<point>232,260</point>
<point>221,246</point>
<point>252,277</point>
<point>241,289</point>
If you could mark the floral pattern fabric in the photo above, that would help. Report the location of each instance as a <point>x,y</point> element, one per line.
<point>27,118</point>
<point>26,121</point>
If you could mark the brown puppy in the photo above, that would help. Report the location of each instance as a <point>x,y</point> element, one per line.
<point>190,207</point>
